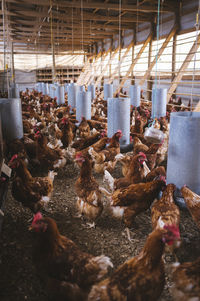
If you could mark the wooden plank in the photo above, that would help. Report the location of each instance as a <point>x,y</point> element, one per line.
<point>98,5</point>
<point>133,64</point>
<point>86,77</point>
<point>184,66</point>
<point>90,78</point>
<point>106,66</point>
<point>77,24</point>
<point>122,59</point>
<point>85,70</point>
<point>149,82</point>
<point>86,16</point>
<point>63,29</point>
<point>165,43</point>
<point>174,56</point>
<point>103,55</point>
<point>116,69</point>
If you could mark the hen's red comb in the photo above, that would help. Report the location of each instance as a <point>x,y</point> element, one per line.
<point>13,158</point>
<point>78,155</point>
<point>174,229</point>
<point>64,120</point>
<point>37,217</point>
<point>142,154</point>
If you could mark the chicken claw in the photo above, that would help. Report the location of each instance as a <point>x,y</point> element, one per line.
<point>128,234</point>
<point>78,216</point>
<point>91,225</point>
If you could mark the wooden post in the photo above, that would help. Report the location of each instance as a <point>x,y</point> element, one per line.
<point>165,43</point>
<point>12,64</point>
<point>87,74</point>
<point>106,66</point>
<point>149,79</point>
<point>174,56</point>
<point>110,71</point>
<point>115,71</point>
<point>119,56</point>
<point>184,66</point>
<point>53,64</point>
<point>101,55</point>
<point>177,20</point>
<point>122,59</point>
<point>133,53</point>
<point>132,65</point>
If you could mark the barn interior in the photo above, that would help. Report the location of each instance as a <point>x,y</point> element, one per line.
<point>99,108</point>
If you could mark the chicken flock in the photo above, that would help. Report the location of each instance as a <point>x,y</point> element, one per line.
<point>52,138</point>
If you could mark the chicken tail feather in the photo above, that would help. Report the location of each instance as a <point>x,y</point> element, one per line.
<point>105,192</point>
<point>52,174</point>
<point>104,263</point>
<point>109,179</point>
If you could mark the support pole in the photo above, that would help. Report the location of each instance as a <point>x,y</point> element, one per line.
<point>12,64</point>
<point>122,59</point>
<point>184,66</point>
<point>149,79</point>
<point>53,65</point>
<point>160,52</point>
<point>133,53</point>
<point>4,44</point>
<point>133,64</point>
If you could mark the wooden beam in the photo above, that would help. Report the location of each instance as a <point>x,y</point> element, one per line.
<point>98,5</point>
<point>106,66</point>
<point>20,12</point>
<point>64,30</point>
<point>77,24</point>
<point>116,69</point>
<point>122,59</point>
<point>149,81</point>
<point>12,64</point>
<point>162,48</point>
<point>48,52</point>
<point>184,66</point>
<point>86,69</point>
<point>133,64</point>
<point>103,57</point>
<point>47,41</point>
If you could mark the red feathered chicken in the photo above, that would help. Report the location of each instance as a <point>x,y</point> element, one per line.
<point>106,158</point>
<point>135,174</point>
<point>164,211</point>
<point>186,281</point>
<point>32,192</point>
<point>193,203</point>
<point>86,142</point>
<point>60,261</point>
<point>127,203</point>
<point>66,128</point>
<point>84,128</point>
<point>89,196</point>
<point>141,278</point>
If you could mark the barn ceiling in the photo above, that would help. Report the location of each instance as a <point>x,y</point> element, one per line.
<point>35,25</point>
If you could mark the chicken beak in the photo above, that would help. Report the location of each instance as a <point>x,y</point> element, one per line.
<point>30,228</point>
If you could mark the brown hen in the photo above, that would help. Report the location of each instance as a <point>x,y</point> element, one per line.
<point>193,203</point>
<point>68,271</point>
<point>141,278</point>
<point>32,192</point>
<point>89,201</point>
<point>186,281</point>
<point>135,174</point>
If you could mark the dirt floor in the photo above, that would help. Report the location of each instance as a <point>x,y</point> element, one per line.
<point>18,278</point>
